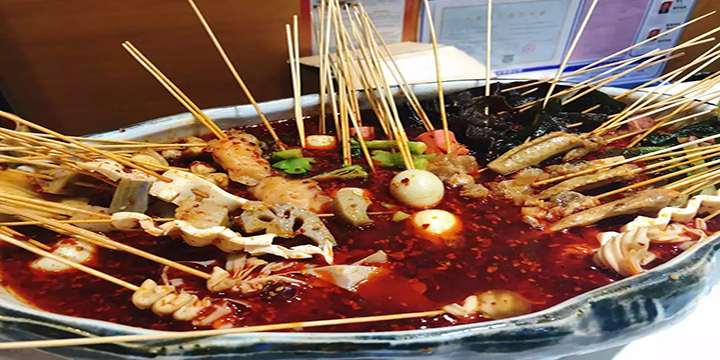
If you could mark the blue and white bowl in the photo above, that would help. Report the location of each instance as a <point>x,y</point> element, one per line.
<point>606,317</point>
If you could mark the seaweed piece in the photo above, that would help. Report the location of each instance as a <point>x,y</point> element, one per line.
<point>699,129</point>
<point>608,105</point>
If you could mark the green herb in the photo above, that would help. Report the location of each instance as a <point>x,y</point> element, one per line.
<point>295,166</point>
<point>286,154</point>
<point>416,147</point>
<point>388,159</point>
<point>344,173</point>
<point>700,130</point>
<point>400,216</point>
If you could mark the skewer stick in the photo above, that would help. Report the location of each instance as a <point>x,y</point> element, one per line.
<point>47,143</point>
<point>620,52</point>
<point>298,84</point>
<point>645,64</point>
<point>40,252</point>
<point>656,179</point>
<point>677,162</point>
<point>668,123</point>
<point>663,77</point>
<point>236,75</point>
<point>321,38</point>
<point>714,214</point>
<point>27,173</point>
<point>174,90</point>
<point>639,105</point>
<point>110,156</point>
<point>693,179</point>
<point>215,332</point>
<point>702,184</point>
<point>395,122</point>
<point>295,81</point>
<point>400,77</point>
<point>441,94</point>
<point>569,53</point>
<point>100,239</point>
<point>672,105</point>
<point>658,123</point>
<point>72,221</point>
<point>23,200</point>
<point>488,38</point>
<point>633,159</point>
<point>368,49</point>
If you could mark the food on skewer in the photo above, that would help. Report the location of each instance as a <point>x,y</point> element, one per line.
<point>500,203</point>
<point>302,234</point>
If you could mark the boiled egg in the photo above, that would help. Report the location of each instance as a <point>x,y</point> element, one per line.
<point>436,225</point>
<point>417,188</point>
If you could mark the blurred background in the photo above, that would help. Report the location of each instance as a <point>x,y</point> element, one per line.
<point>61,63</point>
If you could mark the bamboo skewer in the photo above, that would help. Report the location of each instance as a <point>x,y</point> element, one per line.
<point>709,217</point>
<point>669,76</point>
<point>441,93</point>
<point>656,179</point>
<point>215,332</point>
<point>644,102</point>
<point>598,80</point>
<point>100,239</point>
<point>322,35</point>
<point>588,67</point>
<point>368,49</point>
<point>40,252</point>
<point>692,179</point>
<point>672,105</point>
<point>235,74</point>
<point>72,221</point>
<point>488,46</point>
<point>395,69</point>
<point>634,159</point>
<point>174,90</point>
<point>23,200</point>
<point>677,162</point>
<point>569,53</point>
<point>646,99</point>
<point>668,123</point>
<point>110,156</point>
<point>295,81</point>
<point>659,122</point>
<point>645,64</point>
<point>395,123</point>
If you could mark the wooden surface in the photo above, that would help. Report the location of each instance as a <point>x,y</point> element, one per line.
<point>62,64</point>
<point>702,7</point>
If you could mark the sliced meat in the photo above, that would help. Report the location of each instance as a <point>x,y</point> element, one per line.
<point>306,193</point>
<point>454,170</point>
<point>240,155</point>
<point>644,201</point>
<point>540,149</point>
<point>592,181</point>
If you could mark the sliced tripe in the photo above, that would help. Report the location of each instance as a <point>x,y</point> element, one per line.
<point>222,237</point>
<point>187,186</point>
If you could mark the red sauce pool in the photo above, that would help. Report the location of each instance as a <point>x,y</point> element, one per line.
<point>497,251</point>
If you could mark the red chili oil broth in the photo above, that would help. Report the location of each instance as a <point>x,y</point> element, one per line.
<point>496,251</point>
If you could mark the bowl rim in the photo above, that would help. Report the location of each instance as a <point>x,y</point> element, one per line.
<point>446,333</point>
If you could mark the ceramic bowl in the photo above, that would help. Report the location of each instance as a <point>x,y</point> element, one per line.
<point>606,317</point>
